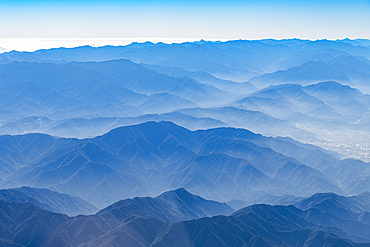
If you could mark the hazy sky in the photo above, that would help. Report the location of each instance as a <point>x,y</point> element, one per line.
<point>233,19</point>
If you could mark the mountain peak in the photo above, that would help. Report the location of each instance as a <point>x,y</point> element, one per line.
<point>329,85</point>
<point>170,206</point>
<point>181,193</point>
<point>178,191</point>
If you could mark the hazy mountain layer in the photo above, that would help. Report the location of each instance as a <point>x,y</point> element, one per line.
<point>146,159</point>
<point>312,91</point>
<point>335,113</point>
<point>106,89</point>
<point>64,85</point>
<point>236,60</point>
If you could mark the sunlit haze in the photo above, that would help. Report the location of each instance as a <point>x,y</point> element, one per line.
<point>185,20</point>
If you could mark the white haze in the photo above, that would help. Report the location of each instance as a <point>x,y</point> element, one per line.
<point>33,44</point>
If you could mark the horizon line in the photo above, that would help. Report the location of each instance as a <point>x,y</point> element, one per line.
<point>36,44</point>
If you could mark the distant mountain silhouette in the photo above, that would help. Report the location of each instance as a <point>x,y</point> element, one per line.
<point>255,121</point>
<point>306,73</point>
<point>60,91</point>
<point>293,97</point>
<point>347,100</point>
<point>324,109</point>
<point>153,118</point>
<point>142,79</point>
<point>204,77</point>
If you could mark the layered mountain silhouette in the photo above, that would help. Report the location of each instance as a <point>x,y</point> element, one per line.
<point>95,89</point>
<point>138,217</point>
<point>207,78</point>
<point>325,109</point>
<point>306,73</point>
<point>346,100</point>
<point>237,60</point>
<point>143,222</point>
<point>95,143</point>
<point>145,159</point>
<point>57,91</point>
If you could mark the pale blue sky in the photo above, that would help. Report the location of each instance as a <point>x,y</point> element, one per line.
<point>233,19</point>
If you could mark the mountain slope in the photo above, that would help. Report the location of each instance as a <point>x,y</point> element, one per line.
<point>150,158</point>
<point>49,200</point>
<point>26,225</point>
<point>142,80</point>
<point>171,206</point>
<point>304,74</point>
<point>347,100</point>
<point>255,121</point>
<point>258,225</point>
<point>351,214</point>
<point>204,77</point>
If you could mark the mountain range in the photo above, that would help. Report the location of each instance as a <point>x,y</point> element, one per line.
<point>192,222</point>
<point>149,158</point>
<point>236,143</point>
<point>83,92</point>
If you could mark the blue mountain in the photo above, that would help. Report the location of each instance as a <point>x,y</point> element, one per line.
<point>23,224</point>
<point>153,118</point>
<point>171,206</point>
<point>152,157</point>
<point>49,200</point>
<point>306,73</point>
